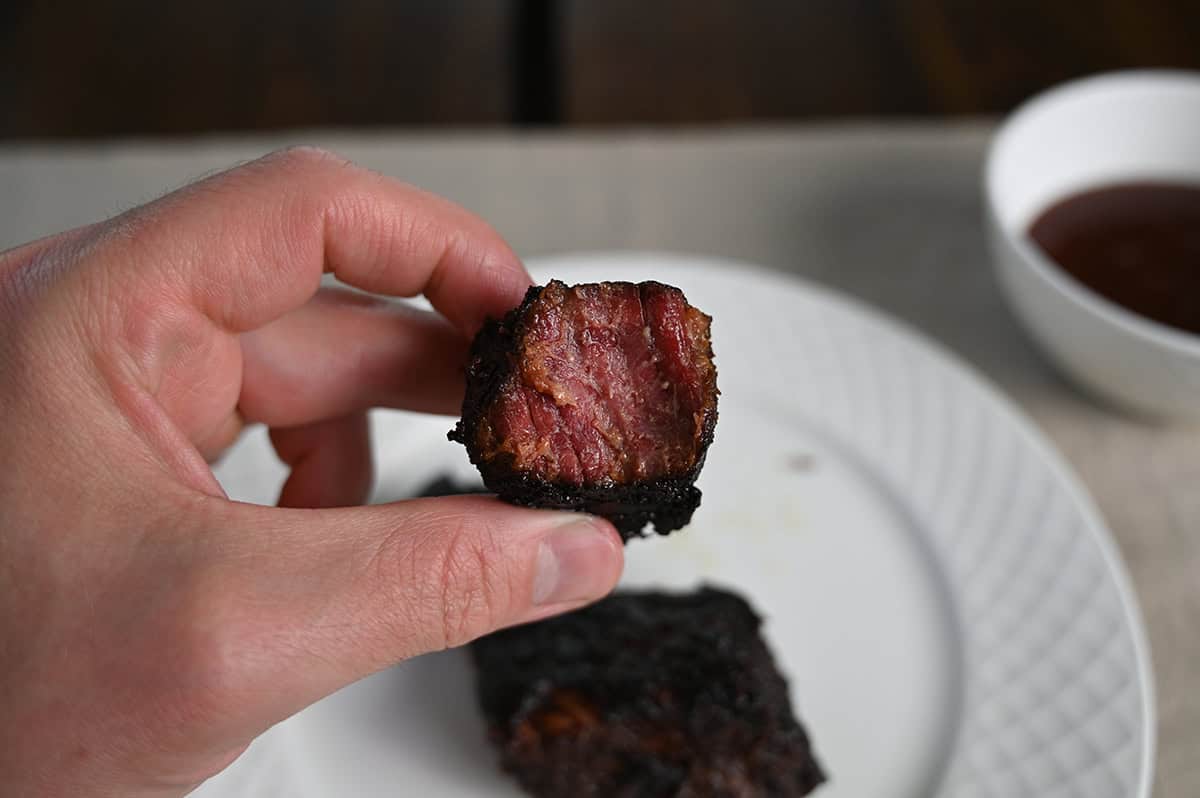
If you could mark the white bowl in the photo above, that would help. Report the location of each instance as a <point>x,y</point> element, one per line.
<point>1110,128</point>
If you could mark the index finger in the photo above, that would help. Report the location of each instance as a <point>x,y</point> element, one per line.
<point>250,244</point>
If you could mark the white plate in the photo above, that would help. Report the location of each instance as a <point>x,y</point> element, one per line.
<point>948,606</point>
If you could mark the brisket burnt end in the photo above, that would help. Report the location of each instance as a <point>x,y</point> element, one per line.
<point>644,695</point>
<point>599,397</point>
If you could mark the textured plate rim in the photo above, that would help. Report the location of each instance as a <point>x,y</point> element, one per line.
<point>1006,409</point>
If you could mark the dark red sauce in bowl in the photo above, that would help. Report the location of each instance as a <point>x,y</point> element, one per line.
<point>1136,244</point>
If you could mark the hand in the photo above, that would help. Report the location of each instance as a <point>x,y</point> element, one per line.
<point>149,627</point>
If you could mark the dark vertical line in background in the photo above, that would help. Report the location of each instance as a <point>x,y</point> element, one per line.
<point>537,73</point>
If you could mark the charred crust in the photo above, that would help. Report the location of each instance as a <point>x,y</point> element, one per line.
<point>490,361</point>
<point>668,504</point>
<point>645,694</point>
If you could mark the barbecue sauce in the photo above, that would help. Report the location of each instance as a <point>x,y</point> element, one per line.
<point>1137,244</point>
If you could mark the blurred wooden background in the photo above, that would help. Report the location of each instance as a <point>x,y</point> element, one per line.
<point>145,67</point>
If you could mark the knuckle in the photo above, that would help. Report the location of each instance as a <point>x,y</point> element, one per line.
<point>304,158</point>
<point>27,277</point>
<point>54,308</point>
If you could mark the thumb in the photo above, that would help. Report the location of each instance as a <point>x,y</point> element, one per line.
<point>301,602</point>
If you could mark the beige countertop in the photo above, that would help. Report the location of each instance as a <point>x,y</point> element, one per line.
<point>891,214</point>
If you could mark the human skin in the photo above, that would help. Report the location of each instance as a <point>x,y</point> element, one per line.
<point>151,628</point>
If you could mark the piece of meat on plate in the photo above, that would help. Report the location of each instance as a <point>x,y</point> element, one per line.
<point>644,694</point>
<point>599,397</point>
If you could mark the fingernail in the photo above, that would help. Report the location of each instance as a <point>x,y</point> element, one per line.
<point>575,563</point>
